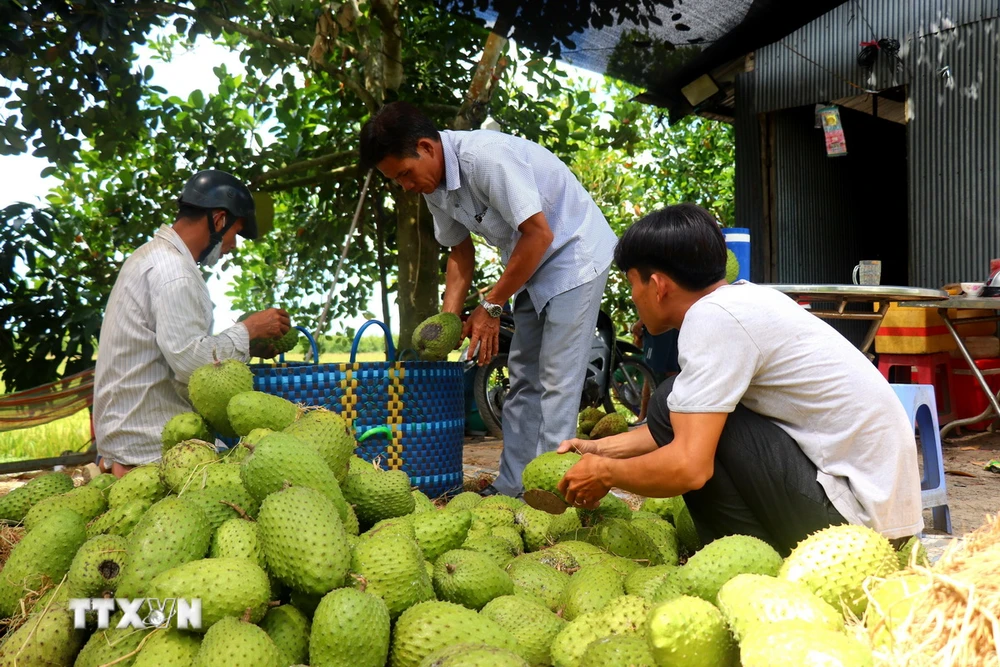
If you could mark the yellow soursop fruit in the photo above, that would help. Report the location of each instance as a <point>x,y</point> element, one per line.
<point>350,628</point>
<point>834,562</point>
<point>690,632</point>
<point>437,336</point>
<point>213,385</point>
<point>255,409</point>
<point>706,571</point>
<point>18,501</point>
<point>797,644</point>
<point>185,426</point>
<point>750,599</point>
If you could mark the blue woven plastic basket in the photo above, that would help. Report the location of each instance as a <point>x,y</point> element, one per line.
<point>421,402</point>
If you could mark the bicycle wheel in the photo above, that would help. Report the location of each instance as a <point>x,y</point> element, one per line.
<point>490,389</point>
<point>628,379</point>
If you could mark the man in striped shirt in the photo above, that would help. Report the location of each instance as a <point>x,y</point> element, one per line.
<point>158,323</point>
<point>555,246</point>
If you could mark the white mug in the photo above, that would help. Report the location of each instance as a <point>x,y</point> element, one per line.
<point>867,272</point>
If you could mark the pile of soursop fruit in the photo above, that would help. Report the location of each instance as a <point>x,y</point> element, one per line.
<point>302,553</point>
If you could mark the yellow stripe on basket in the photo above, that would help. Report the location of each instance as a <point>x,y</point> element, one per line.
<point>349,400</point>
<point>395,417</point>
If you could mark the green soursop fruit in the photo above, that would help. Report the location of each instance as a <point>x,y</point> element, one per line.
<point>255,409</point>
<point>590,590</point>
<point>438,532</point>
<point>103,482</point>
<point>834,562</point>
<point>498,550</point>
<point>18,501</point>
<point>906,556</point>
<point>226,587</point>
<point>87,501</point>
<point>618,651</point>
<point>609,425</point>
<point>350,628</point>
<point>546,471</point>
<point>557,556</point>
<point>620,538</point>
<point>119,520</point>
<point>537,581</point>
<point>280,344</point>
<point>436,337</point>
<point>464,501</point>
<point>280,458</point>
<point>212,386</point>
<point>793,644</point>
<point>531,623</point>
<point>572,641</point>
<point>625,614</point>
<point>706,571</point>
<point>378,496</point>
<point>663,535</point>
<point>500,500</point>
<point>588,419</point>
<point>687,533</point>
<point>400,525</point>
<point>113,646</point>
<point>47,638</point>
<point>645,580</point>
<point>219,503</point>
<point>689,632</point>
<point>469,578</point>
<point>185,426</point>
<point>494,516</point>
<point>609,507</point>
<point>45,553</point>
<point>430,626</point>
<point>238,538</point>
<point>421,503</point>
<point>168,648</point>
<point>179,465</point>
<point>535,526</point>
<point>732,266</point>
<point>232,642</point>
<point>304,541</point>
<point>391,567</point>
<point>288,628</point>
<point>750,599</point>
<point>511,536</point>
<point>171,533</point>
<point>662,507</point>
<point>142,483</point>
<point>97,566</point>
<point>473,655</point>
<point>329,434</point>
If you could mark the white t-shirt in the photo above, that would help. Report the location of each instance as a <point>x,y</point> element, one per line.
<point>753,345</point>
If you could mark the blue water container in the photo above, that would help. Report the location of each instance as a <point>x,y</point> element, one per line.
<point>738,240</point>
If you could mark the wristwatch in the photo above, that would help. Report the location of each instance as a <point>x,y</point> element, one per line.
<point>492,309</point>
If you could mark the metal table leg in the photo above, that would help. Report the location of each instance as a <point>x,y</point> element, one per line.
<point>994,405</point>
<point>883,308</point>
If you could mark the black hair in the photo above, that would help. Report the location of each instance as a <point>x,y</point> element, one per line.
<point>682,241</point>
<point>191,212</point>
<point>394,131</point>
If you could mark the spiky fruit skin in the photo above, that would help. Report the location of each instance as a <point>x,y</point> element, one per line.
<point>906,557</point>
<point>392,568</point>
<point>473,655</point>
<point>496,549</point>
<point>834,562</point>
<point>46,638</point>
<point>511,536</point>
<point>212,386</point>
<point>530,622</point>
<point>792,644</point>
<point>288,628</point>
<point>645,580</point>
<point>663,535</point>
<point>437,336</point>
<point>662,507</point>
<point>430,626</point>
<point>618,651</point>
<point>706,571</point>
<point>171,533</point>
<point>687,532</point>
<point>582,553</point>
<point>304,541</point>
<point>571,643</point>
<point>45,552</point>
<point>609,425</point>
<point>255,409</point>
<point>184,426</point>
<point>350,628</point>
<point>469,578</point>
<point>119,520</point>
<point>281,344</point>
<point>749,599</point>
<point>18,501</point>
<point>232,642</point>
<point>438,532</point>
<point>238,538</point>
<point>179,465</point>
<point>732,266</point>
<point>538,581</point>
<point>87,501</point>
<point>590,590</point>
<point>588,419</point>
<point>103,482</point>
<point>141,483</point>
<point>226,587</point>
<point>217,502</point>
<point>421,503</point>
<point>546,471</point>
<point>689,632</point>
<point>169,648</point>
<point>97,566</point>
<point>464,501</point>
<point>111,646</point>
<point>890,607</point>
<point>329,434</point>
<point>378,496</point>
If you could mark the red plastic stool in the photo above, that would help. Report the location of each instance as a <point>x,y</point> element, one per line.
<point>933,369</point>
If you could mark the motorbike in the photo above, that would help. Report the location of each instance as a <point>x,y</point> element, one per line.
<point>616,375</point>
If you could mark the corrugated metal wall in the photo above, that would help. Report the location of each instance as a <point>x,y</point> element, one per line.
<point>749,203</point>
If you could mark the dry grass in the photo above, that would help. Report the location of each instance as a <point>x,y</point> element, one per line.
<point>9,537</point>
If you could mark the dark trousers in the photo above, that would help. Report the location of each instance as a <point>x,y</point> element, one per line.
<point>763,484</point>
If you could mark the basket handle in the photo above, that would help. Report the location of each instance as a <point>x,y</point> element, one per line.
<point>312,342</point>
<point>390,351</point>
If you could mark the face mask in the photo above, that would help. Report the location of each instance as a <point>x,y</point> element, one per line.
<point>213,255</point>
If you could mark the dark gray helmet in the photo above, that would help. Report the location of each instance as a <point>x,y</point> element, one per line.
<point>213,189</point>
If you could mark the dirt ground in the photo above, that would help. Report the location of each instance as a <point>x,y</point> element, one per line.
<point>972,491</point>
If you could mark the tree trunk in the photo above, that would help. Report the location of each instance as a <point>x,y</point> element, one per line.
<point>419,284</point>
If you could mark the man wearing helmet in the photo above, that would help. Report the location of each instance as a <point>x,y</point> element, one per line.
<point>158,323</point>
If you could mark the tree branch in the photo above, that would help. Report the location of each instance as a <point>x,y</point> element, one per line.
<point>303,165</point>
<point>278,43</point>
<point>315,179</point>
